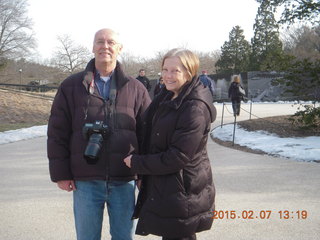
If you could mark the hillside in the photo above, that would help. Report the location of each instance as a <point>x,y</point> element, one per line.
<point>22,110</point>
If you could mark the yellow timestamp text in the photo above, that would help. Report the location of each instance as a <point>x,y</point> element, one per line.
<point>260,214</point>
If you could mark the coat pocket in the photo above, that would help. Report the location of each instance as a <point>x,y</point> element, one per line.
<point>169,198</point>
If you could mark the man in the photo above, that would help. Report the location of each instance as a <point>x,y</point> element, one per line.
<point>158,87</point>
<point>144,80</point>
<point>109,104</point>
<point>207,81</point>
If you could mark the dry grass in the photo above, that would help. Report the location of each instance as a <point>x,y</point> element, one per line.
<point>18,110</point>
<point>280,125</point>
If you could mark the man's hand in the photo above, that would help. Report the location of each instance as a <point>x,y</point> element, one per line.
<point>67,185</point>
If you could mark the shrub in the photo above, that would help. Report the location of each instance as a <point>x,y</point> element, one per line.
<point>309,118</point>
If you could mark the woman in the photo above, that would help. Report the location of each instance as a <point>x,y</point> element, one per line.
<point>176,198</point>
<point>235,94</point>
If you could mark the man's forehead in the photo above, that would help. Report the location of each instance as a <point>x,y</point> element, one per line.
<point>106,34</point>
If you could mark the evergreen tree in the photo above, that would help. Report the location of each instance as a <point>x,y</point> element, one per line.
<point>234,53</point>
<point>302,79</point>
<point>267,53</point>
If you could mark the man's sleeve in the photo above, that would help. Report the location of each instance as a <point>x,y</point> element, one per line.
<point>59,132</point>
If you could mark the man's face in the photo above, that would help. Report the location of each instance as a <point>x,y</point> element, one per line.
<point>106,46</point>
<point>142,73</point>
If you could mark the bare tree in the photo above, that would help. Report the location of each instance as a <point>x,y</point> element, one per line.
<point>153,65</point>
<point>208,61</point>
<point>16,36</point>
<point>30,71</point>
<point>69,56</point>
<point>130,63</point>
<point>303,42</point>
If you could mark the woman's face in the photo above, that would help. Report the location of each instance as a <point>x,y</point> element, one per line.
<point>174,75</point>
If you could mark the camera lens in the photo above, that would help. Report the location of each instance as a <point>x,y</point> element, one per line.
<point>93,148</point>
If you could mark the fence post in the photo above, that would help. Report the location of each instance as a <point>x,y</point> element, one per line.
<point>250,109</point>
<point>234,128</point>
<point>222,114</point>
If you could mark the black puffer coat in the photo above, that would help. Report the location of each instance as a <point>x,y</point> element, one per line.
<point>66,144</point>
<point>233,91</point>
<point>177,195</point>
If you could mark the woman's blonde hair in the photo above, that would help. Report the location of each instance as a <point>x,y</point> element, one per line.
<point>236,78</point>
<point>189,60</point>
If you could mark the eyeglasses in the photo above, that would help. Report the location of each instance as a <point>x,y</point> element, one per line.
<point>111,43</point>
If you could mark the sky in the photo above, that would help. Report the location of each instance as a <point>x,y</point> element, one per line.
<point>146,26</point>
<point>298,149</point>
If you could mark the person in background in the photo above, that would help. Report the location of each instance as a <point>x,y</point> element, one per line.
<point>235,95</point>
<point>176,199</point>
<point>144,80</point>
<point>93,125</point>
<point>207,81</point>
<point>158,87</point>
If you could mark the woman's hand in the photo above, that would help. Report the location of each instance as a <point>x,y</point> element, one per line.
<point>127,161</point>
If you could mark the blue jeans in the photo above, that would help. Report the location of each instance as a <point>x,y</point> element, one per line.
<point>236,106</point>
<point>89,200</point>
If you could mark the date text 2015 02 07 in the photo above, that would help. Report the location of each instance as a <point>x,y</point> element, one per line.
<point>260,214</point>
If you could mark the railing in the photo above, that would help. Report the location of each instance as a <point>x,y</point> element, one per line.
<point>35,88</point>
<point>224,108</point>
<point>32,90</point>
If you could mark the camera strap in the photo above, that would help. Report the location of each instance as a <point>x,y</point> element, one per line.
<point>113,91</point>
<point>112,101</point>
<point>110,104</point>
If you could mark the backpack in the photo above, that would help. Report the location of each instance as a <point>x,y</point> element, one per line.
<point>241,91</point>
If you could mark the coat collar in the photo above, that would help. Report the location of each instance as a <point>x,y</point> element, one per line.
<point>184,94</point>
<point>118,76</point>
<point>191,91</point>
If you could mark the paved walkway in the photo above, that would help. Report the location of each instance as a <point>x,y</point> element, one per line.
<point>248,186</point>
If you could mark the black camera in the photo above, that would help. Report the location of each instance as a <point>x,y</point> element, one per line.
<point>96,132</point>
